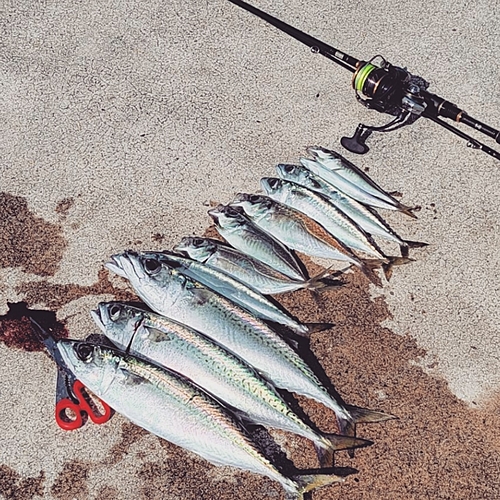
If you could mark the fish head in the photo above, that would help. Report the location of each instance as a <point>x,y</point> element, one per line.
<point>320,152</point>
<point>287,170</point>
<point>154,281</point>
<point>276,188</point>
<point>254,205</point>
<point>118,321</point>
<point>228,217</point>
<point>94,365</point>
<point>199,249</point>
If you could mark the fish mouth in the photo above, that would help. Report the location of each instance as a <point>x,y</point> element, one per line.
<point>97,317</point>
<point>269,184</point>
<point>126,265</point>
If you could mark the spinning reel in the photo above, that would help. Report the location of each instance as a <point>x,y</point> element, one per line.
<point>387,89</point>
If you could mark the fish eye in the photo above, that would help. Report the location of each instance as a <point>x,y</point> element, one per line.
<point>197,242</point>
<point>152,266</point>
<point>84,352</point>
<point>114,312</point>
<point>289,168</point>
<point>254,198</point>
<point>273,183</point>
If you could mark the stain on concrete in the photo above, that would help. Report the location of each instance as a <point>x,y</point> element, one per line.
<point>17,331</point>
<point>130,434</point>
<point>27,241</point>
<point>55,295</point>
<point>15,487</point>
<point>64,206</point>
<point>71,483</point>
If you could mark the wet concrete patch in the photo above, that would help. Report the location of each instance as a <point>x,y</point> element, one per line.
<point>55,295</point>
<point>17,331</point>
<point>72,481</point>
<point>28,241</point>
<point>15,487</point>
<point>130,434</point>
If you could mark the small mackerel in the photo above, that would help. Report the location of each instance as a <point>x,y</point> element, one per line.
<point>244,235</point>
<point>245,268</point>
<point>293,228</point>
<point>364,216</point>
<point>330,217</point>
<point>349,179</point>
<point>234,290</point>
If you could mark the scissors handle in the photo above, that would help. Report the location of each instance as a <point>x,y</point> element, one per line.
<point>79,408</point>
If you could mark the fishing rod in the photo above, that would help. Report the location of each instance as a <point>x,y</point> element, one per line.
<point>387,89</point>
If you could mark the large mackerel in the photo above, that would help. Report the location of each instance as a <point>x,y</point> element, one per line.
<point>246,268</point>
<point>235,290</point>
<point>187,301</point>
<point>213,368</point>
<point>244,235</point>
<point>174,409</point>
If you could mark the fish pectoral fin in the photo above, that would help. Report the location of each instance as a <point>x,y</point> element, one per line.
<point>155,335</point>
<point>200,295</point>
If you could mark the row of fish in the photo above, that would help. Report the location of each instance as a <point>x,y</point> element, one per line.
<point>207,357</point>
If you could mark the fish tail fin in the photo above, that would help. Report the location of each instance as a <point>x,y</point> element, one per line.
<point>411,244</point>
<point>309,482</point>
<point>331,443</point>
<point>408,210</point>
<point>358,415</point>
<point>317,327</point>
<point>366,416</point>
<point>323,281</point>
<point>395,261</point>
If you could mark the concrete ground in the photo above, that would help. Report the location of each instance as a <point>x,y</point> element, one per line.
<point>122,121</point>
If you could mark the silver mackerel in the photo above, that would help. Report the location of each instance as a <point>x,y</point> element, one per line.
<point>187,301</point>
<point>213,368</point>
<point>174,409</point>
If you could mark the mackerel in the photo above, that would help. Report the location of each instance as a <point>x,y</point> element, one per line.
<point>247,269</point>
<point>362,215</point>
<point>317,208</point>
<point>187,301</point>
<point>213,368</point>
<point>174,409</point>
<point>293,228</point>
<point>344,175</point>
<point>244,235</point>
<point>240,293</point>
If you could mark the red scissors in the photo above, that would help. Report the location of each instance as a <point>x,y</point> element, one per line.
<point>74,402</point>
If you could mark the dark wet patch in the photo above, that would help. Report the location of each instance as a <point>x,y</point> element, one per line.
<point>130,434</point>
<point>28,241</point>
<point>54,295</point>
<point>109,493</point>
<point>64,206</point>
<point>17,331</point>
<point>187,477</point>
<point>71,483</point>
<point>158,237</point>
<point>15,487</point>
<point>439,448</point>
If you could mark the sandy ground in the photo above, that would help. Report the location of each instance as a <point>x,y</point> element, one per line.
<point>121,122</point>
